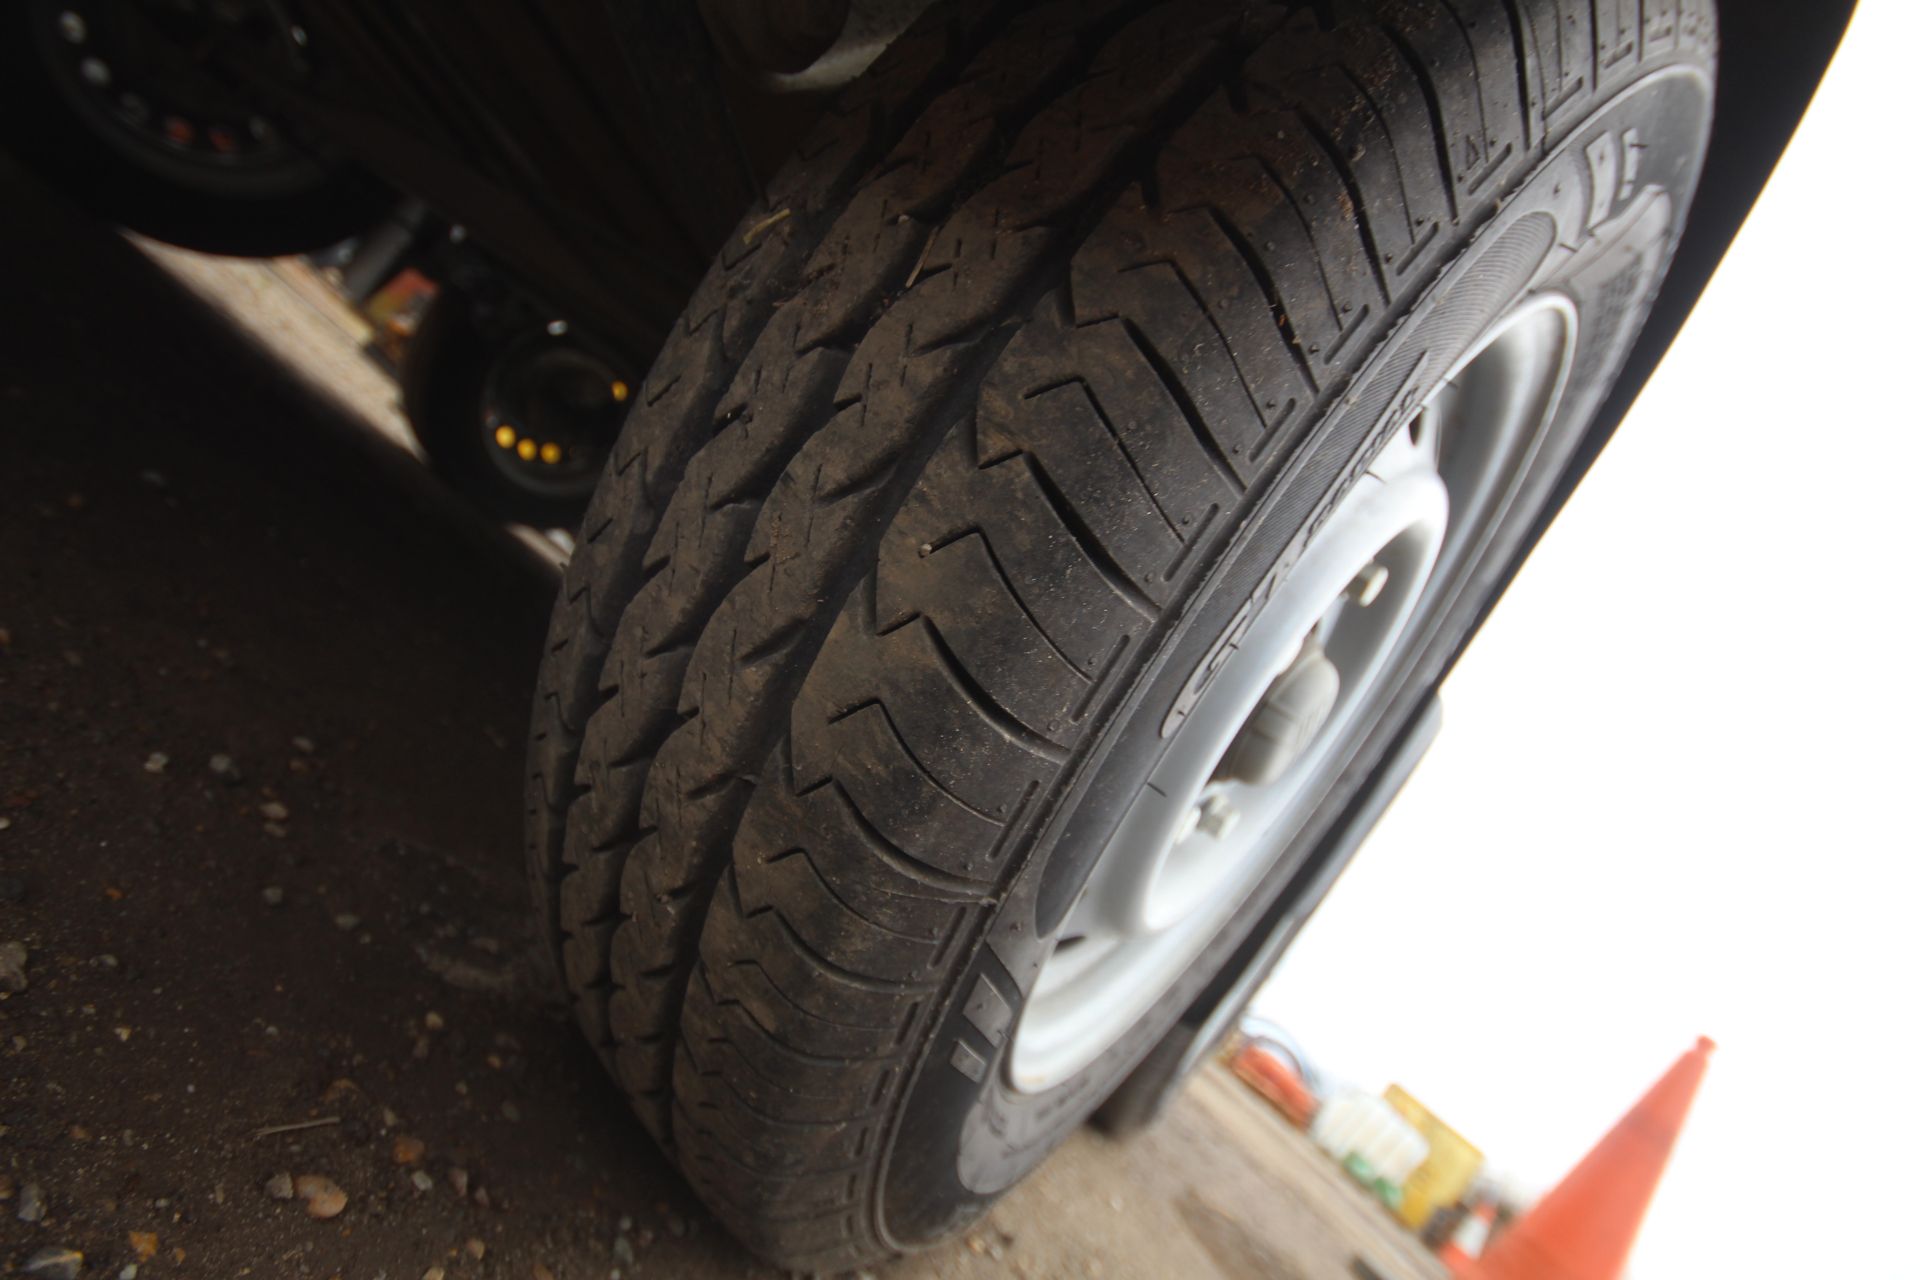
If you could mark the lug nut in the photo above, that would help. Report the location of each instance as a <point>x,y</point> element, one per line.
<point>1368,584</point>
<point>1217,816</point>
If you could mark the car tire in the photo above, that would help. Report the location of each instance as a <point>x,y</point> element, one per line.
<point>1020,412</point>
<point>305,199</point>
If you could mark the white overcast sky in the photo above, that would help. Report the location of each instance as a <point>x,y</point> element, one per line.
<point>1676,789</point>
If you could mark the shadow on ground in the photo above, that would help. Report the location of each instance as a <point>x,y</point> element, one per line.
<point>198,559</point>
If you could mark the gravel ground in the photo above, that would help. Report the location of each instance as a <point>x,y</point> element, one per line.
<point>269,1005</point>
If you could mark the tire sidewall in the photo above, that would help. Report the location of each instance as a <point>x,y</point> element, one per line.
<point>960,1135</point>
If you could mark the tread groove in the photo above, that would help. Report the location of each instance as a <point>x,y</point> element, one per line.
<point>1110,569</point>
<point>1275,304</point>
<point>1344,171</point>
<point>1177,392</point>
<point>985,704</point>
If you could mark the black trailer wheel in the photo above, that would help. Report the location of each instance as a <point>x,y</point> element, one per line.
<point>1053,505</point>
<point>515,413</point>
<point>134,109</point>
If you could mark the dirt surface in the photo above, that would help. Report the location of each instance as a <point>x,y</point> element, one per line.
<point>262,694</point>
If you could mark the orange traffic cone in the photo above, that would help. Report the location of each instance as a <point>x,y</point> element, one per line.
<point>1464,1247</point>
<point>1584,1228</point>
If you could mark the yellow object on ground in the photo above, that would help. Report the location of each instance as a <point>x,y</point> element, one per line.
<point>1443,1177</point>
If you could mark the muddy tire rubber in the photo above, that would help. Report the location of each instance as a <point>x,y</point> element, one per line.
<point>1052,346</point>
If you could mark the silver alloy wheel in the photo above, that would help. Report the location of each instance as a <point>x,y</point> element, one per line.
<point>1254,753</point>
